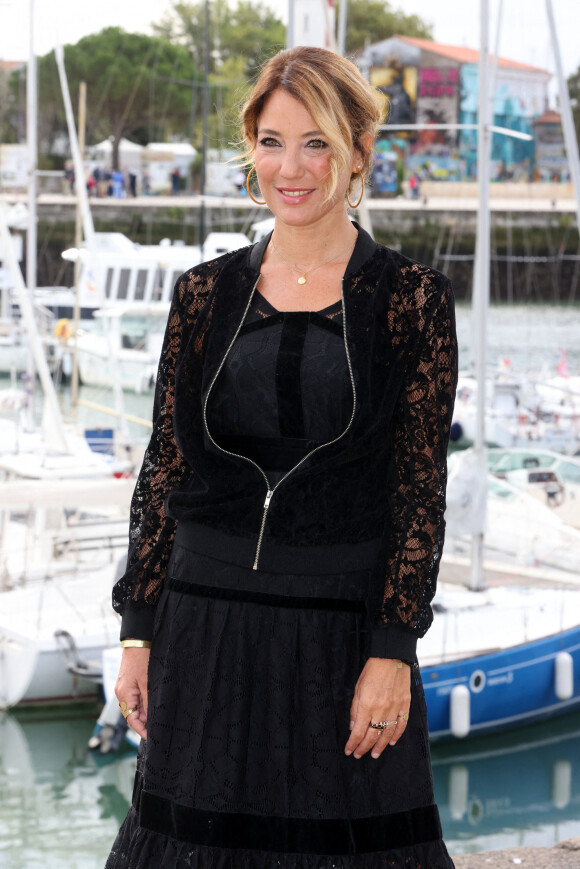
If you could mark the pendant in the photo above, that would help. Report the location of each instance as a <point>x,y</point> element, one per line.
<point>302,279</point>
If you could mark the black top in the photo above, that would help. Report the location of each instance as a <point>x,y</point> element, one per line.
<point>385,478</point>
<point>284,388</point>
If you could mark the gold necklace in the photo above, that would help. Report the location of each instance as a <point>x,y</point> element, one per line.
<point>303,275</point>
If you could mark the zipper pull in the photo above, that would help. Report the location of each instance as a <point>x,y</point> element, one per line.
<point>264,514</point>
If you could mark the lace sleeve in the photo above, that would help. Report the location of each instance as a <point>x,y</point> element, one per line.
<point>405,581</point>
<point>151,532</point>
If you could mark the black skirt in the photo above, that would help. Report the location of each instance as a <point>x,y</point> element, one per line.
<point>251,677</point>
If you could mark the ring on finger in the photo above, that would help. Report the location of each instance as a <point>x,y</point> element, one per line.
<point>404,716</point>
<point>125,711</point>
<point>380,725</point>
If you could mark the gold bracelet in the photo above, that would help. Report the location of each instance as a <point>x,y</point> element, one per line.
<point>136,644</point>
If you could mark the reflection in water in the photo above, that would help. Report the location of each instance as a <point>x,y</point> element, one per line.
<point>62,805</point>
<point>59,807</point>
<point>521,787</point>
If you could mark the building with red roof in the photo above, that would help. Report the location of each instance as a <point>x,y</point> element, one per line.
<point>431,83</point>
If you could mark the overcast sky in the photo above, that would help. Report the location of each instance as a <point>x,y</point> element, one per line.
<point>524,35</point>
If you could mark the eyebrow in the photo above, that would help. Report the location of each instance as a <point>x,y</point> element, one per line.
<point>266,132</point>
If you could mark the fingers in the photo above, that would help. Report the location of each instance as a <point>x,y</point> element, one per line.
<point>365,738</point>
<point>382,695</point>
<point>402,719</point>
<point>131,689</point>
<point>138,720</point>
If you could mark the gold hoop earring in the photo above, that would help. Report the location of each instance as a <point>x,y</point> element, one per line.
<point>253,198</point>
<point>362,193</point>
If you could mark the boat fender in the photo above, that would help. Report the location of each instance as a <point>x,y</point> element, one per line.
<point>63,330</point>
<point>562,784</point>
<point>460,711</point>
<point>564,676</point>
<point>455,432</point>
<point>458,790</point>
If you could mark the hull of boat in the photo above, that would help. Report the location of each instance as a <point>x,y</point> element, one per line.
<point>507,688</point>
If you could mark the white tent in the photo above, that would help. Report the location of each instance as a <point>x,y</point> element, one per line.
<point>129,154</point>
<point>161,158</point>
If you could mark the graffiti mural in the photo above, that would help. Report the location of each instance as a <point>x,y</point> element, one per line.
<point>439,90</point>
<point>551,161</point>
<point>512,159</point>
<point>399,85</point>
<point>431,84</point>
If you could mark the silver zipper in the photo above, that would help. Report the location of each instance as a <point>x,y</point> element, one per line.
<point>262,526</point>
<point>270,492</point>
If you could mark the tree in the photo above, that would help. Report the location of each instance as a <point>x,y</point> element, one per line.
<point>241,38</point>
<point>574,91</point>
<point>136,86</point>
<point>248,29</point>
<point>375,20</point>
<point>12,110</point>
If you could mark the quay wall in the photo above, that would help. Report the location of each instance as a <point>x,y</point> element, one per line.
<point>535,250</point>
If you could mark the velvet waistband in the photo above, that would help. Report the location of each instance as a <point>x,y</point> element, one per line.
<point>274,557</point>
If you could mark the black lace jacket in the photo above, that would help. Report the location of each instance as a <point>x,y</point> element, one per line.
<point>385,478</point>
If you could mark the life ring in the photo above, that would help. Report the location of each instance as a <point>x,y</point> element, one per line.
<point>63,330</point>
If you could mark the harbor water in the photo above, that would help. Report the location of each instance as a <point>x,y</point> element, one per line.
<point>62,804</point>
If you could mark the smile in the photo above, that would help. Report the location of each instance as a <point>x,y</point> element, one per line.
<point>294,192</point>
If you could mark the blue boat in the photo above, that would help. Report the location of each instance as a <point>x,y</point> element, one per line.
<point>507,688</point>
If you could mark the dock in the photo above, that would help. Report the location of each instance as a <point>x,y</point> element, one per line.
<point>565,855</point>
<point>530,198</point>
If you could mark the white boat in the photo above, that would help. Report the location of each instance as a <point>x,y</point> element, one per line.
<point>548,476</point>
<point>64,539</point>
<point>117,270</point>
<point>123,346</point>
<point>518,413</point>
<point>520,530</point>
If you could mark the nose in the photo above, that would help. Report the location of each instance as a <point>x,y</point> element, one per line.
<point>291,166</point>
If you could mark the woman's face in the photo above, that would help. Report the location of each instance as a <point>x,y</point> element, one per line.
<point>293,163</point>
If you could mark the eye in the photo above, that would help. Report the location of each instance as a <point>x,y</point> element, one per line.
<point>317,144</point>
<point>268,142</point>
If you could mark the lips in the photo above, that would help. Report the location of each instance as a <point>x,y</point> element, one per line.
<point>294,192</point>
<point>294,196</point>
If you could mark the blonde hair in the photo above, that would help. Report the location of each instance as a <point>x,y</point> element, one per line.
<point>345,107</point>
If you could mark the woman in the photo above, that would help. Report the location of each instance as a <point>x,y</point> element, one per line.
<point>288,522</point>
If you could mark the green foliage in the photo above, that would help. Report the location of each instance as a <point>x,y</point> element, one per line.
<point>574,91</point>
<point>245,30</point>
<point>374,20</point>
<point>150,88</point>
<point>134,83</point>
<point>241,37</point>
<point>11,105</point>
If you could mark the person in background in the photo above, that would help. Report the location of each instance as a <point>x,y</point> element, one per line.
<point>146,182</point>
<point>240,182</point>
<point>175,182</point>
<point>118,184</point>
<point>288,521</point>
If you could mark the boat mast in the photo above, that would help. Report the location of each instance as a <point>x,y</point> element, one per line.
<point>32,165</point>
<point>341,39</point>
<point>290,25</point>
<point>87,221</point>
<point>570,139</point>
<point>31,143</point>
<point>480,295</point>
<point>52,423</point>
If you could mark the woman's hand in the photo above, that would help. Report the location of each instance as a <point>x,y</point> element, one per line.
<point>131,687</point>
<point>382,693</point>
